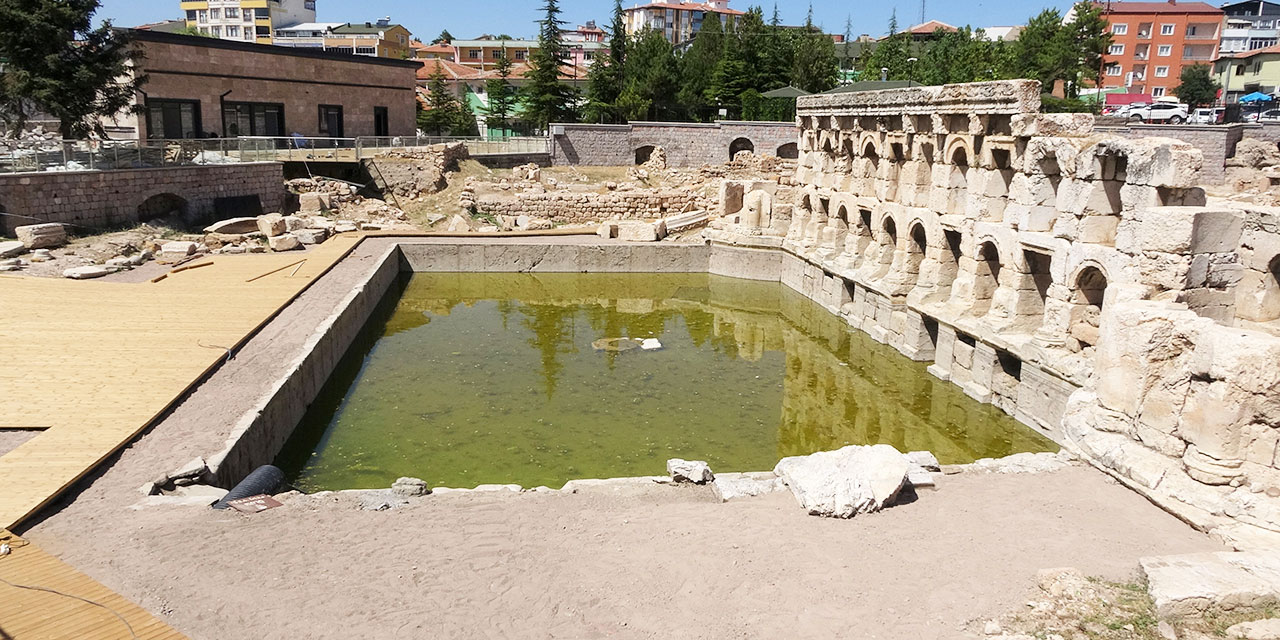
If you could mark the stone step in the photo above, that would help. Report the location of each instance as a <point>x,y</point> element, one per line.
<point>1188,585</point>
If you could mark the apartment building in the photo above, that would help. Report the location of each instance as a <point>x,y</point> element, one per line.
<point>1154,41</point>
<point>1251,26</point>
<point>677,20</point>
<point>583,44</point>
<point>380,39</point>
<point>1247,72</point>
<point>247,20</point>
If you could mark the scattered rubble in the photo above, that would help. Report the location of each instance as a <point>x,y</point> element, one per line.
<point>695,471</point>
<point>42,236</point>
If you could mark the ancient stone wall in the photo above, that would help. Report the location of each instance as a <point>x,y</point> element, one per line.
<point>103,199</point>
<point>686,144</point>
<point>1216,142</point>
<point>571,206</point>
<point>1074,280</point>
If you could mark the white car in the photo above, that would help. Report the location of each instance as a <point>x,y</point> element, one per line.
<point>1169,112</point>
<point>1208,116</point>
<point>1270,115</point>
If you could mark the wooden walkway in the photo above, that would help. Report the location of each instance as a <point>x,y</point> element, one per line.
<point>43,598</point>
<point>91,364</point>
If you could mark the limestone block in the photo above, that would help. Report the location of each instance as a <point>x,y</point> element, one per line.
<point>1189,585</point>
<point>311,236</point>
<point>1181,230</point>
<point>315,202</point>
<point>731,193</point>
<point>844,483</point>
<point>271,225</point>
<point>695,471</point>
<point>86,272</point>
<point>177,249</point>
<point>285,242</point>
<point>1099,229</point>
<point>1051,124</point>
<point>294,223</point>
<point>642,231</point>
<point>731,486</point>
<point>41,236</point>
<point>233,226</point>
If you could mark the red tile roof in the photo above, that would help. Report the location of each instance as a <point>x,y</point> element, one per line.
<point>932,26</point>
<point>452,70</point>
<point>689,6</point>
<point>1171,6</point>
<point>1250,54</point>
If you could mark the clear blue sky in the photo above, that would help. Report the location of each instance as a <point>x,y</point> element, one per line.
<point>466,19</point>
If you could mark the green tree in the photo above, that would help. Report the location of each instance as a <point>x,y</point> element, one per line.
<point>444,37</point>
<point>192,31</point>
<point>1046,51</point>
<point>698,69</point>
<point>815,67</point>
<point>605,80</point>
<point>446,115</point>
<point>733,73</point>
<point>891,53</point>
<point>1092,38</point>
<point>501,96</point>
<point>546,98</point>
<point>56,62</point>
<point>1197,86</point>
<point>652,77</point>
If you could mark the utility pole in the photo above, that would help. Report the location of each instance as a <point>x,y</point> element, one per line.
<point>922,7</point>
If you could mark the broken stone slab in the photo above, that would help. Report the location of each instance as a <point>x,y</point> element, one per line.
<point>120,262</point>
<point>1022,463</point>
<point>1257,630</point>
<point>642,231</point>
<point>212,494</point>
<point>1188,585</point>
<point>272,224</point>
<point>924,460</point>
<point>410,488</point>
<point>687,220</point>
<point>345,227</point>
<point>844,483</point>
<point>311,236</point>
<point>177,249</point>
<point>286,242</point>
<point>87,272</point>
<point>193,469</point>
<point>42,236</point>
<point>615,486</point>
<point>233,226</point>
<point>921,479</point>
<point>608,230</point>
<point>12,248</point>
<point>731,486</point>
<point>695,471</point>
<point>650,344</point>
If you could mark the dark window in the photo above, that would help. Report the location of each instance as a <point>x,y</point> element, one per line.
<point>330,121</point>
<point>381,122</point>
<point>173,118</point>
<point>252,119</point>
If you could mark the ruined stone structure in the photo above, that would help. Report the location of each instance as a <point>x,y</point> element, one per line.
<point>589,206</point>
<point>1075,281</point>
<point>687,144</point>
<point>104,199</point>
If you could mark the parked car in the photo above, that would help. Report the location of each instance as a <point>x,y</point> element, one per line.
<point>1270,115</point>
<point>1170,112</point>
<point>1209,116</point>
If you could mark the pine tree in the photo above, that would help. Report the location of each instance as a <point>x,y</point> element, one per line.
<point>698,68</point>
<point>444,37</point>
<point>733,73</point>
<point>56,62</point>
<point>546,98</point>
<point>891,53</point>
<point>446,115</point>
<point>652,76</point>
<point>501,96</point>
<point>1092,35</point>
<point>815,67</point>
<point>605,80</point>
<point>1046,51</point>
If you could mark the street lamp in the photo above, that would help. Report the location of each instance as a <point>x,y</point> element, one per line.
<point>911,71</point>
<point>884,74</point>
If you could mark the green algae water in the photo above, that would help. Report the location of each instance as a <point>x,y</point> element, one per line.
<point>469,379</point>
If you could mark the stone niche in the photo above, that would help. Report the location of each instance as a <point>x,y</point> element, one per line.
<point>1077,281</point>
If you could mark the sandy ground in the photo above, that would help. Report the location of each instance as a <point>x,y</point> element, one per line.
<point>667,562</point>
<point>11,439</point>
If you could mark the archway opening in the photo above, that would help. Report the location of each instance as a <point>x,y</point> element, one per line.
<point>916,250</point>
<point>788,151</point>
<point>987,277</point>
<point>162,205</point>
<point>1038,265</point>
<point>959,182</point>
<point>644,153</point>
<point>739,145</point>
<point>1087,301</point>
<point>873,159</point>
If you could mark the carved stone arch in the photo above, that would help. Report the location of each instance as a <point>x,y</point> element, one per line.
<point>959,152</point>
<point>872,140</point>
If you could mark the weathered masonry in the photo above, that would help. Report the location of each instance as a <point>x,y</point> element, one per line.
<point>686,144</point>
<point>103,199</point>
<point>206,87</point>
<point>1074,280</point>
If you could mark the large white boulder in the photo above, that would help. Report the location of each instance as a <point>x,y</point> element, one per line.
<point>847,482</point>
<point>272,225</point>
<point>695,471</point>
<point>286,242</point>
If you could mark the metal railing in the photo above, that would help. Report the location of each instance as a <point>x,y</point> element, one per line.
<point>22,156</point>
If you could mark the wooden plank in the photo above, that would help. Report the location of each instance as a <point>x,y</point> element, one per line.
<point>56,602</point>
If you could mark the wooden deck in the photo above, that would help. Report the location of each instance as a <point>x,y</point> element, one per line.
<point>93,363</point>
<point>80,608</point>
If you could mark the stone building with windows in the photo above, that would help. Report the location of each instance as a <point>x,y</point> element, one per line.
<point>203,87</point>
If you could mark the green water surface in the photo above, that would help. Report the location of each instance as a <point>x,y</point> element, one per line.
<point>472,379</point>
